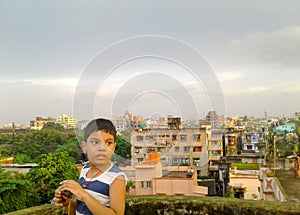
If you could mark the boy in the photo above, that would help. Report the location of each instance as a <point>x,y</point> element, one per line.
<point>101,187</point>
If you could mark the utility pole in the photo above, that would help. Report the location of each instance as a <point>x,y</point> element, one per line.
<point>13,141</point>
<point>275,139</point>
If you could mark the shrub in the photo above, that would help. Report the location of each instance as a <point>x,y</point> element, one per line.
<point>51,169</point>
<point>16,192</point>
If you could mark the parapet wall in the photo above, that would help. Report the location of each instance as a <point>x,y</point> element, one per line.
<point>178,205</point>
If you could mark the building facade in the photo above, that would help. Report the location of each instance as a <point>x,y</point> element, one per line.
<point>67,121</point>
<point>39,122</point>
<point>177,146</point>
<point>150,180</point>
<point>215,149</point>
<point>250,141</point>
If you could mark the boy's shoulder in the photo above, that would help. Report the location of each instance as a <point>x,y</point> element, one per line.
<point>115,169</point>
<point>86,166</point>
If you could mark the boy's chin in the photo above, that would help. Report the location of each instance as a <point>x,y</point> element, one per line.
<point>99,162</point>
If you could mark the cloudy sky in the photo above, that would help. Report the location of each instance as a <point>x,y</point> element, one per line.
<point>99,58</point>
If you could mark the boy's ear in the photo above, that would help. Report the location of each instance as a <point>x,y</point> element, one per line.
<point>83,145</point>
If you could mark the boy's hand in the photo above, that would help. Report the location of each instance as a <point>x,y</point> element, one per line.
<point>58,200</point>
<point>73,187</point>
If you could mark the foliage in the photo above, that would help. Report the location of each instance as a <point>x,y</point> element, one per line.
<point>123,147</point>
<point>230,193</point>
<point>53,126</point>
<point>5,150</point>
<point>34,143</point>
<point>51,169</point>
<point>72,148</point>
<point>126,135</point>
<point>189,205</point>
<point>206,205</point>
<point>22,159</point>
<point>16,192</point>
<point>5,138</point>
<point>130,184</point>
<point>41,210</point>
<point>122,152</point>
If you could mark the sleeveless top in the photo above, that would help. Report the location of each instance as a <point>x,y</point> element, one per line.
<point>98,187</point>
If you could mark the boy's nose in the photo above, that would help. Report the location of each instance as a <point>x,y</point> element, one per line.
<point>101,146</point>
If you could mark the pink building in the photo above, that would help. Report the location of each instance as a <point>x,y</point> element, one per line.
<point>150,181</point>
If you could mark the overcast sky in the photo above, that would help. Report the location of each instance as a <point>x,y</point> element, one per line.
<point>99,58</point>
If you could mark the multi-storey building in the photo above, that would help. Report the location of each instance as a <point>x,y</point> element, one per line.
<point>150,180</point>
<point>230,142</point>
<point>250,141</point>
<point>120,123</point>
<point>39,122</point>
<point>242,147</point>
<point>216,121</point>
<point>67,121</point>
<point>175,144</point>
<point>215,149</point>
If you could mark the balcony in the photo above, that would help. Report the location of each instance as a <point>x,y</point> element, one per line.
<point>214,157</point>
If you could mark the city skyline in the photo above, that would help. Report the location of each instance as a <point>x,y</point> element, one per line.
<point>156,116</point>
<point>92,59</point>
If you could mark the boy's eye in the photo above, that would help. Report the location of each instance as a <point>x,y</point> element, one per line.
<point>94,142</point>
<point>109,143</point>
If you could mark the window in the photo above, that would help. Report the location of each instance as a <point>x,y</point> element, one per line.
<point>146,184</point>
<point>174,137</point>
<point>196,137</point>
<point>150,149</point>
<point>176,148</point>
<point>176,160</point>
<point>186,148</point>
<point>197,149</point>
<point>182,137</point>
<point>139,138</point>
<point>231,141</point>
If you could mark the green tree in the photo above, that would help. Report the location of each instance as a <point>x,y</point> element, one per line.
<point>53,126</point>
<point>5,138</point>
<point>123,147</point>
<point>51,169</point>
<point>72,148</point>
<point>35,143</point>
<point>22,159</point>
<point>16,192</point>
<point>5,151</point>
<point>122,153</point>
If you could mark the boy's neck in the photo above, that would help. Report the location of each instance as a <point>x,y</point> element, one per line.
<point>102,167</point>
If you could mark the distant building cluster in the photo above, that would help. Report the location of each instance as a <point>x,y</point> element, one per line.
<point>64,120</point>
<point>169,155</point>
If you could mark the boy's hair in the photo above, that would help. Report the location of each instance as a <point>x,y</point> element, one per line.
<point>97,125</point>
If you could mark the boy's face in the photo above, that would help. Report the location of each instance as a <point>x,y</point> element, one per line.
<point>99,147</point>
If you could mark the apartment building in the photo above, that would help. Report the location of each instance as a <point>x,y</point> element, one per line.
<point>215,149</point>
<point>39,122</point>
<point>216,120</point>
<point>250,141</point>
<point>176,145</point>
<point>67,121</point>
<point>151,181</point>
<point>120,123</point>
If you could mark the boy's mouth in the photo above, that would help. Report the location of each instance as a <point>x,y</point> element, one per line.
<point>101,157</point>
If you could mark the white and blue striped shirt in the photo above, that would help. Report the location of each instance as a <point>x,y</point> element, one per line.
<point>98,187</point>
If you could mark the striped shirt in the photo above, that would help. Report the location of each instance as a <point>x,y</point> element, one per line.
<point>98,187</point>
